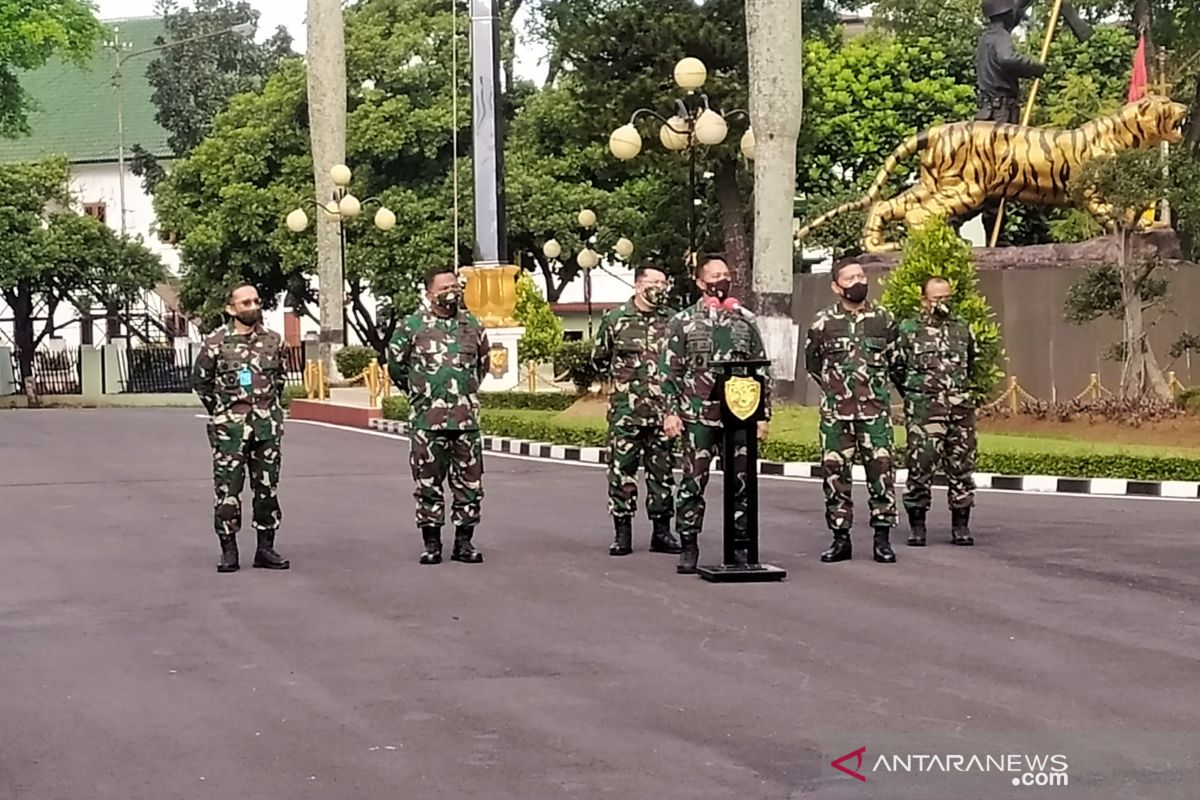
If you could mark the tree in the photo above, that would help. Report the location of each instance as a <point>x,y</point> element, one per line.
<point>543,329</point>
<point>935,250</point>
<point>51,256</point>
<point>193,82</point>
<point>1129,182</point>
<point>227,200</point>
<point>31,31</point>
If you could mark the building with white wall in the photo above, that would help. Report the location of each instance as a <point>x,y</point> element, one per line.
<point>75,116</point>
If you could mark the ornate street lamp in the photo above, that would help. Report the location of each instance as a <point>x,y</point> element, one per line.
<point>694,123</point>
<point>587,258</point>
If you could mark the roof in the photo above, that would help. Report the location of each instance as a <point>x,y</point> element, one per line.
<point>76,112</point>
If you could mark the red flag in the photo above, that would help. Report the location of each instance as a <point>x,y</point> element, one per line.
<point>1139,81</point>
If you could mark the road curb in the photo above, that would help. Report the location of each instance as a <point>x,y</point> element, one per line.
<point>1037,484</point>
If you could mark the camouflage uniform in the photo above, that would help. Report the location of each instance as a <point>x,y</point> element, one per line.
<point>851,356</point>
<point>240,380</point>
<point>439,363</point>
<point>696,340</point>
<point>937,356</point>
<point>628,348</point>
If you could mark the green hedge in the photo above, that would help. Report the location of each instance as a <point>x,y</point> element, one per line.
<point>292,392</point>
<point>518,425</point>
<point>396,406</point>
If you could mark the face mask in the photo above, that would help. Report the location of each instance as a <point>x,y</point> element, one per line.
<point>940,310</point>
<point>448,300</point>
<point>654,296</point>
<point>249,318</point>
<point>856,293</point>
<point>719,289</point>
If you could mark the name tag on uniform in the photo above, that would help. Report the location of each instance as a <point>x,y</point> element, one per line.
<point>245,379</point>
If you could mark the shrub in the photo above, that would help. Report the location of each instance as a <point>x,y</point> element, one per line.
<point>543,329</point>
<point>575,359</point>
<point>395,407</point>
<point>538,402</point>
<point>936,250</point>
<point>292,392</point>
<point>352,360</point>
<point>1189,400</point>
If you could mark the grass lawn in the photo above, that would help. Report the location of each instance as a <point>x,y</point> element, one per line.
<point>799,424</point>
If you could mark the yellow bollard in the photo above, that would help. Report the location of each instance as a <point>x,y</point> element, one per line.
<point>1013,404</point>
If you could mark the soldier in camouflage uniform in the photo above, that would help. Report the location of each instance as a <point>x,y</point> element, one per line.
<point>937,354</point>
<point>851,354</point>
<point>438,358</point>
<point>239,376</point>
<point>700,335</point>
<point>627,349</point>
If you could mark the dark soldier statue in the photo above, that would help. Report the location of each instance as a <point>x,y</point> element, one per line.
<point>239,377</point>
<point>699,336</point>
<point>627,350</point>
<point>998,70</point>
<point>438,358</point>
<point>850,352</point>
<point>936,352</point>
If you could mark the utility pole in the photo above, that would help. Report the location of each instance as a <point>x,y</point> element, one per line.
<point>326,56</point>
<point>773,37</point>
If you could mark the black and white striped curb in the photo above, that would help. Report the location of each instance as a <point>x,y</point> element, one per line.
<point>1042,484</point>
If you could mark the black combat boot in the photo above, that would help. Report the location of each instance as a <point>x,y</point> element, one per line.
<point>916,524</point>
<point>229,555</point>
<point>689,554</point>
<point>623,539</point>
<point>840,550</point>
<point>883,547</point>
<point>960,534</point>
<point>432,537</point>
<point>662,540</point>
<point>266,557</point>
<point>464,551</point>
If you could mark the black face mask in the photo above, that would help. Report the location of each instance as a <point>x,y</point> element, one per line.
<point>448,300</point>
<point>249,318</point>
<point>856,293</point>
<point>718,289</point>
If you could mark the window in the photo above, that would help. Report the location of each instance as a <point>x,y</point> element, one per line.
<point>97,211</point>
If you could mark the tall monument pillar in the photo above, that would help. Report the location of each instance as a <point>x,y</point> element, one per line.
<point>773,37</point>
<point>491,292</point>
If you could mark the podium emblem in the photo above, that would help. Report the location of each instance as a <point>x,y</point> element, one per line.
<point>498,365</point>
<point>742,395</point>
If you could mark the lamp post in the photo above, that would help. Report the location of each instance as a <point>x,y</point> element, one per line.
<point>694,123</point>
<point>587,258</point>
<point>340,207</point>
<point>118,80</point>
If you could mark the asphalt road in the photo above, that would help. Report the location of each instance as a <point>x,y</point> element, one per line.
<point>129,668</point>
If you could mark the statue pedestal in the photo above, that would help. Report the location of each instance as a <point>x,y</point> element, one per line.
<point>503,375</point>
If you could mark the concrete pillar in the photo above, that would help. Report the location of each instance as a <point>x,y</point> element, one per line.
<point>111,355</point>
<point>773,36</point>
<point>8,381</point>
<point>91,371</point>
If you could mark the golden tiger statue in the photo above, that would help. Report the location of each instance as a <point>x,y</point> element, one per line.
<point>964,164</point>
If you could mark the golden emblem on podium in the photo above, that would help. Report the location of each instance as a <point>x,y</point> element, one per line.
<point>498,361</point>
<point>742,395</point>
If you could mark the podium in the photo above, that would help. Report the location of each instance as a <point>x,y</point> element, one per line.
<point>739,388</point>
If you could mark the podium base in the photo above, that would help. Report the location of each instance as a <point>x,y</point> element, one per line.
<point>733,573</point>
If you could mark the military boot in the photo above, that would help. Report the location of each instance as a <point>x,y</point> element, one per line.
<point>662,540</point>
<point>229,555</point>
<point>464,551</point>
<point>916,524</point>
<point>883,547</point>
<point>689,554</point>
<point>432,537</point>
<point>266,557</point>
<point>623,541</point>
<point>840,550</point>
<point>960,534</point>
